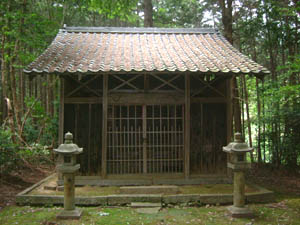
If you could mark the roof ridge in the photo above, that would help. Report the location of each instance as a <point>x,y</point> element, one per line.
<point>137,30</point>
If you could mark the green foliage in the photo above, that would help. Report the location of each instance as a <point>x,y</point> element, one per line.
<point>123,9</point>
<point>8,157</point>
<point>39,127</point>
<point>266,31</point>
<point>178,13</point>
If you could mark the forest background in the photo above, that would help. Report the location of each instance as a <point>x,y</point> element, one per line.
<point>266,109</point>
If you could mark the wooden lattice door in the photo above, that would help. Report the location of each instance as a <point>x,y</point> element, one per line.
<point>145,139</point>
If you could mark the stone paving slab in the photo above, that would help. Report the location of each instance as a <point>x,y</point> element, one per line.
<point>153,210</point>
<point>127,199</point>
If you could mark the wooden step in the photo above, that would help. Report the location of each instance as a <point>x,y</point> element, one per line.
<point>158,189</point>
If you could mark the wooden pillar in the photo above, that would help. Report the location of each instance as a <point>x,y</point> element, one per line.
<point>144,115</point>
<point>144,139</point>
<point>229,116</point>
<point>187,127</point>
<point>89,139</point>
<point>61,123</point>
<point>104,127</point>
<point>61,112</point>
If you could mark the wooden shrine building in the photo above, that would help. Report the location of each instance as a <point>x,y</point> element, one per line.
<point>146,101</point>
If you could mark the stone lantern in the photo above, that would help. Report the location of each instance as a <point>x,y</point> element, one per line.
<point>238,163</point>
<point>68,152</point>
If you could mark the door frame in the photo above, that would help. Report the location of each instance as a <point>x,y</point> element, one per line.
<point>145,139</point>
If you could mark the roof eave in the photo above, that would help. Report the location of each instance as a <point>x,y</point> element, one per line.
<point>260,74</point>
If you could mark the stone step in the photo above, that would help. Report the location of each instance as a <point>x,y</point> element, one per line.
<point>157,189</point>
<point>50,187</point>
<point>154,210</point>
<point>145,205</point>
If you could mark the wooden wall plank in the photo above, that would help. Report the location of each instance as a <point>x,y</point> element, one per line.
<point>208,100</point>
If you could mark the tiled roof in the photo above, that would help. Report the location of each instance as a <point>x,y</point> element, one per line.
<point>80,49</point>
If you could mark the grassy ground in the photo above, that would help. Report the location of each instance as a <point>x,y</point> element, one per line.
<point>285,212</point>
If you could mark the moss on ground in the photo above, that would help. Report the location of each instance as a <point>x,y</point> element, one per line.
<point>81,191</point>
<point>212,189</point>
<point>286,212</point>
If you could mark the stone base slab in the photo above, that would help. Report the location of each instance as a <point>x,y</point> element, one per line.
<point>26,198</point>
<point>70,214</point>
<point>154,189</point>
<point>240,212</point>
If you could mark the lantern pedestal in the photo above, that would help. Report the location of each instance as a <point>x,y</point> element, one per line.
<point>240,212</point>
<point>70,214</point>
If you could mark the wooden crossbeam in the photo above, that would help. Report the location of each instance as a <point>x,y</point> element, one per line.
<point>128,82</point>
<point>81,85</point>
<point>207,85</point>
<point>167,82</point>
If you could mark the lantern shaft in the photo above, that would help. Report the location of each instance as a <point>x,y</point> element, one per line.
<point>69,191</point>
<point>239,189</point>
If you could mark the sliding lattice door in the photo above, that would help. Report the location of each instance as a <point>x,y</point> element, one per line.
<point>145,139</point>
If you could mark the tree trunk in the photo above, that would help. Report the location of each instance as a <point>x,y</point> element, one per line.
<point>236,108</point>
<point>247,111</point>
<point>148,13</point>
<point>258,148</point>
<point>226,7</point>
<point>227,19</point>
<point>3,81</point>
<point>16,105</point>
<point>264,123</point>
<point>11,120</point>
<point>241,92</point>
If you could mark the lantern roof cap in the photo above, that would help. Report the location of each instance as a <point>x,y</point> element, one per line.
<point>68,147</point>
<point>238,145</point>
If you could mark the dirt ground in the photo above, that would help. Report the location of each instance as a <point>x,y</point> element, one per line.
<point>280,180</point>
<point>15,182</point>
